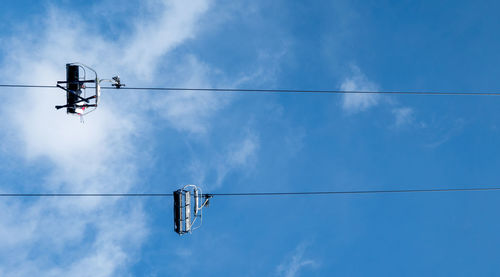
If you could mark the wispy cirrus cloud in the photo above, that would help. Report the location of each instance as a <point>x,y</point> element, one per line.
<point>176,21</point>
<point>445,130</point>
<point>403,116</point>
<point>356,103</point>
<point>295,262</point>
<point>240,154</point>
<point>190,111</point>
<point>84,237</point>
<point>357,81</point>
<point>101,236</point>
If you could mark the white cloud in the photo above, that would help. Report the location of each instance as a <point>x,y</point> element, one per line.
<point>238,155</point>
<point>444,130</point>
<point>85,236</point>
<point>403,116</point>
<point>295,262</point>
<point>353,103</point>
<point>190,111</point>
<point>241,153</point>
<point>177,21</point>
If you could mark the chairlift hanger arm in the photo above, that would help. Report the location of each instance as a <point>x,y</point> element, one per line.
<point>115,82</point>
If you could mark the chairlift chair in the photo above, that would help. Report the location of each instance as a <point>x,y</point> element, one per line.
<point>78,100</point>
<point>188,217</point>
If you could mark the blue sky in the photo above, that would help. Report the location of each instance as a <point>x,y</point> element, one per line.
<point>158,142</point>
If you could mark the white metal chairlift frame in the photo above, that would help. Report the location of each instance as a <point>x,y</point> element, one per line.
<point>182,208</point>
<point>115,81</point>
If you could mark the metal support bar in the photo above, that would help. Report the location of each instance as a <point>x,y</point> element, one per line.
<point>75,94</point>
<point>76,82</point>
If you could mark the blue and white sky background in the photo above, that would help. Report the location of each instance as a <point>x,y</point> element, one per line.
<point>139,141</point>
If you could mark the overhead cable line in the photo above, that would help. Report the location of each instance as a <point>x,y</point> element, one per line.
<point>295,91</point>
<point>26,86</point>
<point>248,193</point>
<point>85,194</point>
<point>354,192</point>
<point>300,91</point>
<point>189,202</point>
